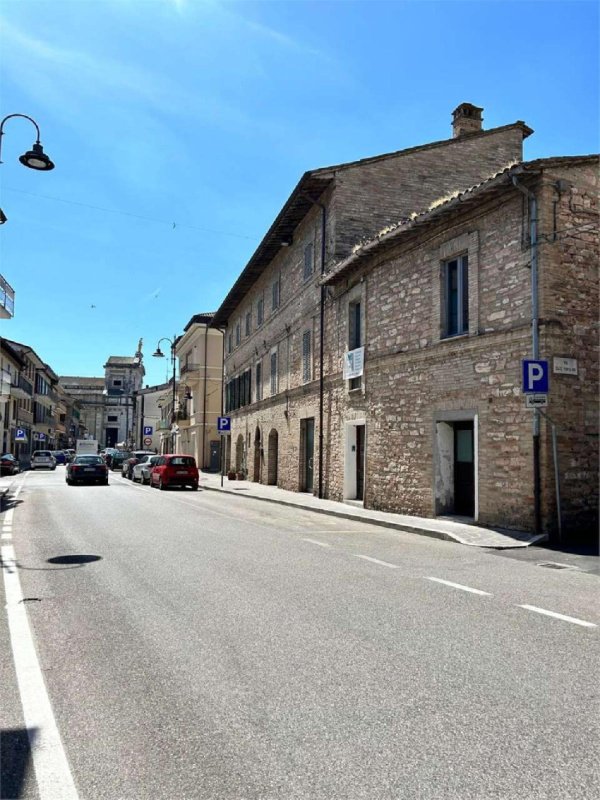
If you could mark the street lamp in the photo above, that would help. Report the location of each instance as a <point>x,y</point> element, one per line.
<point>159,354</point>
<point>34,158</point>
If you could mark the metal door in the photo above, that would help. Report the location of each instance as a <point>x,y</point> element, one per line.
<point>215,455</point>
<point>360,462</point>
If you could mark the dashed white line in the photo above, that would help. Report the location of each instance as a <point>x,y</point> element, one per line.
<point>52,771</point>
<point>377,561</point>
<point>458,586</point>
<point>564,617</point>
<point>314,541</point>
<point>6,536</point>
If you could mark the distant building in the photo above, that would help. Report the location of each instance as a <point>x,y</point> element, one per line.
<point>107,404</point>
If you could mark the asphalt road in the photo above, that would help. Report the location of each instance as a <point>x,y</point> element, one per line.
<point>197,646</point>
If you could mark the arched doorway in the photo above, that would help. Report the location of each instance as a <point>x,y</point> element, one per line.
<point>272,457</point>
<point>239,453</point>
<point>256,477</point>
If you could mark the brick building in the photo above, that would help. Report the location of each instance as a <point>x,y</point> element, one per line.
<point>301,426</point>
<point>436,423</point>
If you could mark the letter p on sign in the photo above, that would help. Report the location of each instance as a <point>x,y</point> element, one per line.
<point>535,377</point>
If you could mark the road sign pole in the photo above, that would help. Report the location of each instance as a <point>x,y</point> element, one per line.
<point>222,458</point>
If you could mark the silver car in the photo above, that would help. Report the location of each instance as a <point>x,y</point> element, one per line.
<point>43,459</point>
<point>141,471</point>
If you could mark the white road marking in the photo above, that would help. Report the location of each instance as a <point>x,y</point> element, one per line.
<point>564,617</point>
<point>8,517</point>
<point>6,536</point>
<point>52,771</point>
<point>458,586</point>
<point>377,561</point>
<point>314,541</point>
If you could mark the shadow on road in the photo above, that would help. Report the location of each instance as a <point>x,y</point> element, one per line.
<point>15,761</point>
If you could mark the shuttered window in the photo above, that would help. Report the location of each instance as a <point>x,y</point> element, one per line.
<point>273,373</point>
<point>275,295</point>
<point>308,261</point>
<point>306,356</point>
<point>260,312</point>
<point>259,381</point>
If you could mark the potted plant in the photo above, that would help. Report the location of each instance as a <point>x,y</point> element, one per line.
<point>231,475</point>
<point>241,475</point>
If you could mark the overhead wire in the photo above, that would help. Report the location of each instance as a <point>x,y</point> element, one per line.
<point>173,224</point>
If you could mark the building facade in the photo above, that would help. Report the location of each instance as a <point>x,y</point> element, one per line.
<point>293,319</point>
<point>200,354</point>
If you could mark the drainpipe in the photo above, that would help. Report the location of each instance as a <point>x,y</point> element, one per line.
<point>535,346</point>
<point>321,335</point>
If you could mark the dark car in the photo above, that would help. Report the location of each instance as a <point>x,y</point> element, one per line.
<point>118,458</point>
<point>85,469</point>
<point>129,463</point>
<point>9,465</point>
<point>174,470</point>
<point>60,456</point>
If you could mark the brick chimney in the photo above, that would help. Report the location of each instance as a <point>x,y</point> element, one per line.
<point>466,119</point>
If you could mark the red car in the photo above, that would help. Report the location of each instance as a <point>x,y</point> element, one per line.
<point>174,470</point>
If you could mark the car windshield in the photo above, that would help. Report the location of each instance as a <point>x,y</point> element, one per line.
<point>42,453</point>
<point>88,460</point>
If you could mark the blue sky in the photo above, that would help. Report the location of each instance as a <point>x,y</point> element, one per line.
<point>179,128</point>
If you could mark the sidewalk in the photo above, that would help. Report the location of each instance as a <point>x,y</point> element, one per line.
<point>438,528</point>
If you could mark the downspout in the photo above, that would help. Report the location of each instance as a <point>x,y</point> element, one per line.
<point>204,399</point>
<point>321,336</point>
<point>321,346</point>
<point>535,346</point>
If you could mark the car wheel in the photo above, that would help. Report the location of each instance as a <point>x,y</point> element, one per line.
<point>194,487</point>
<point>105,482</point>
<point>161,485</point>
<point>69,483</point>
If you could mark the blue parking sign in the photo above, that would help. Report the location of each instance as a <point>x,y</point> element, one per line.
<point>224,424</point>
<point>147,430</point>
<point>535,377</point>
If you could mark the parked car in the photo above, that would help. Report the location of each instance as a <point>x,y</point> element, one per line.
<point>129,463</point>
<point>141,471</point>
<point>9,465</point>
<point>86,469</point>
<point>59,456</point>
<point>118,458</point>
<point>43,458</point>
<point>69,453</point>
<point>174,470</point>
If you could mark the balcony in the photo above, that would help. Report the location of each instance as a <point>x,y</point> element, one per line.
<point>7,299</point>
<point>163,425</point>
<point>21,389</point>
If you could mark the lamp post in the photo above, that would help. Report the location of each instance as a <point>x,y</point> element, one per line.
<point>34,158</point>
<point>159,354</point>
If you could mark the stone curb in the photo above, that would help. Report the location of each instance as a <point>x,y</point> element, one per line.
<point>400,526</point>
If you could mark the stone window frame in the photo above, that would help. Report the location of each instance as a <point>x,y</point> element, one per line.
<point>464,244</point>
<point>248,322</point>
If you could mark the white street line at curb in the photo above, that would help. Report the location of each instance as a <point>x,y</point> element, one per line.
<point>314,541</point>
<point>52,771</point>
<point>6,536</point>
<point>377,561</point>
<point>554,614</point>
<point>458,586</point>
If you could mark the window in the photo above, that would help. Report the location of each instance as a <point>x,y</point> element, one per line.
<point>260,312</point>
<point>354,335</point>
<point>308,261</point>
<point>275,294</point>
<point>274,372</point>
<point>306,356</point>
<point>230,343</point>
<point>112,418</point>
<point>456,296</point>
<point>259,381</point>
<point>238,391</point>
<point>117,383</point>
<point>248,322</point>
<point>238,333</point>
